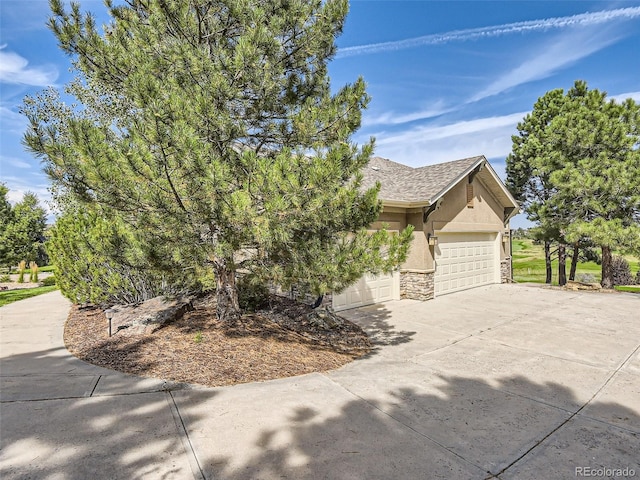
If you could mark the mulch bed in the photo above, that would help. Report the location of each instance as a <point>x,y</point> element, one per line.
<point>280,341</point>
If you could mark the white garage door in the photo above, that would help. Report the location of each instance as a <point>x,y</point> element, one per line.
<point>465,260</point>
<point>368,290</point>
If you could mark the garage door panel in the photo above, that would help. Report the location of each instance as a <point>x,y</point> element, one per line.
<point>464,261</point>
<point>368,290</point>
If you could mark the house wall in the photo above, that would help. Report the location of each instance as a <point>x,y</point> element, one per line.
<point>453,215</point>
<point>417,273</point>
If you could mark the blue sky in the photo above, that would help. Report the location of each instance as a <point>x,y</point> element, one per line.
<point>448,79</point>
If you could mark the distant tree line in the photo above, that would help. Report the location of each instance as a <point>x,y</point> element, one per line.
<point>22,230</point>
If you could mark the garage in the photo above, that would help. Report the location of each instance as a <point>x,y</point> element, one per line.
<point>368,290</point>
<point>465,260</point>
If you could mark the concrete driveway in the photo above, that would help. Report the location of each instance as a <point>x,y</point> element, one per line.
<point>506,381</point>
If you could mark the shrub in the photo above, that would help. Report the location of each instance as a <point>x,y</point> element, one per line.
<point>5,278</point>
<point>252,293</point>
<point>99,260</point>
<point>586,278</point>
<point>21,269</point>
<point>47,282</point>
<point>33,276</point>
<point>621,271</point>
<point>638,276</point>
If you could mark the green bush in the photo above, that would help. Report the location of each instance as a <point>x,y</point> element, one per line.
<point>21,269</point>
<point>252,293</point>
<point>5,278</point>
<point>47,282</point>
<point>98,260</point>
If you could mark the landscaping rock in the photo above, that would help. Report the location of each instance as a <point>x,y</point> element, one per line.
<point>573,285</point>
<point>324,319</point>
<point>148,316</point>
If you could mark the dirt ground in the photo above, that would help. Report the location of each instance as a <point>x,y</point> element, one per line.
<point>280,341</point>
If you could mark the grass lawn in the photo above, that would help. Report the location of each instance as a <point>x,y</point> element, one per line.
<point>529,266</point>
<point>628,288</point>
<point>45,268</point>
<point>10,296</point>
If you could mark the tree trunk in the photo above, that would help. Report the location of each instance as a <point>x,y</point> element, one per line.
<point>574,262</point>
<point>228,308</point>
<point>562,265</point>
<point>547,259</point>
<point>607,270</point>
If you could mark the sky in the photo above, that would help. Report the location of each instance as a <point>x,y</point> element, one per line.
<point>447,79</point>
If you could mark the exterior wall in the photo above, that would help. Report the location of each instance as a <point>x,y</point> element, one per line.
<point>506,276</point>
<point>395,220</point>
<point>417,284</point>
<point>417,274</point>
<point>453,215</point>
<point>419,256</point>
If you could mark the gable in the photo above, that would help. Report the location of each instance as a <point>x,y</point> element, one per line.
<point>405,186</point>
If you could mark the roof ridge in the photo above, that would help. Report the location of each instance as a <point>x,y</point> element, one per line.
<point>448,162</point>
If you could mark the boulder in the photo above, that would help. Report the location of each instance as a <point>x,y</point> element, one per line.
<point>323,318</point>
<point>573,285</point>
<point>148,316</point>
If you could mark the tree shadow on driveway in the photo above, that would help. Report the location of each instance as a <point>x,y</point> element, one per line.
<point>62,418</point>
<point>451,427</point>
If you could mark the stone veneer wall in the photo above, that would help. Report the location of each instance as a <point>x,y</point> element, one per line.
<point>416,284</point>
<point>505,271</point>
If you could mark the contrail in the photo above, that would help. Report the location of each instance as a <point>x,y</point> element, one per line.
<point>583,19</point>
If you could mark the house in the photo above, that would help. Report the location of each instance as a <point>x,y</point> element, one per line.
<point>460,211</point>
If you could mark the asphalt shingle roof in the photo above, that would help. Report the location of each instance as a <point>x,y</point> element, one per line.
<point>403,183</point>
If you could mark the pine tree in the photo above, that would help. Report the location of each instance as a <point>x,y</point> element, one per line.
<point>529,169</point>
<point>211,127</point>
<point>576,166</point>
<point>602,190</point>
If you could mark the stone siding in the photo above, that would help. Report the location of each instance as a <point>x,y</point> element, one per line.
<point>416,285</point>
<point>505,271</point>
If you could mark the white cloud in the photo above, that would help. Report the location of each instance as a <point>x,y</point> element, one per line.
<point>621,97</point>
<point>580,20</point>
<point>552,57</point>
<point>15,162</point>
<point>394,118</point>
<point>12,122</point>
<point>34,183</point>
<point>426,145</point>
<point>15,69</point>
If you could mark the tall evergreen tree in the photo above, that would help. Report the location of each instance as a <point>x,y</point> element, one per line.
<point>529,169</point>
<point>576,166</point>
<point>211,127</point>
<point>602,190</point>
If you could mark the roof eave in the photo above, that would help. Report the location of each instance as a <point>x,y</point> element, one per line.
<point>405,204</point>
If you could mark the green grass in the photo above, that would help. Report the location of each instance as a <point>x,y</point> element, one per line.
<point>46,268</point>
<point>628,288</point>
<point>10,296</point>
<point>529,265</point>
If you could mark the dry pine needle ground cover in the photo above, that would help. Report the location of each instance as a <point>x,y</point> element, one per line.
<point>276,343</point>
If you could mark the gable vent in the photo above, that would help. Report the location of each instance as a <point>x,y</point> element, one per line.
<point>469,195</point>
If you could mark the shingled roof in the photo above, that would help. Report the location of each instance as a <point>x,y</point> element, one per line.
<point>405,184</point>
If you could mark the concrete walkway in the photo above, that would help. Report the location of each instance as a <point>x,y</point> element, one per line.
<point>506,381</point>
